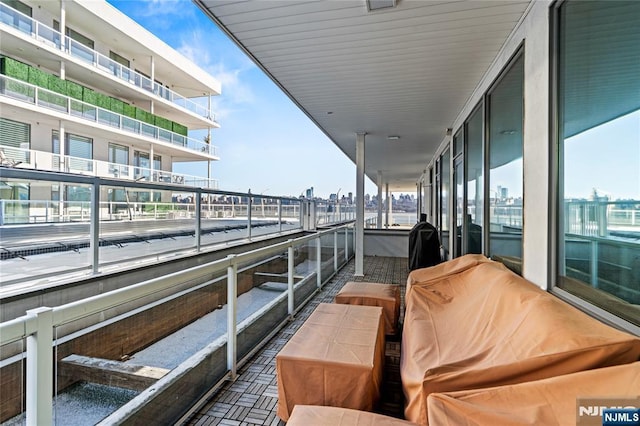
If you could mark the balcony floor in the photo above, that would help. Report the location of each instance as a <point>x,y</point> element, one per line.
<point>252,398</point>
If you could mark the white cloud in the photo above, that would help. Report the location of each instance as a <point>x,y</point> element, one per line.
<point>197,47</point>
<point>162,7</point>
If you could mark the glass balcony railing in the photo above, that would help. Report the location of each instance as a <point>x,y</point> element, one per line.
<point>25,92</point>
<point>51,37</point>
<point>28,158</point>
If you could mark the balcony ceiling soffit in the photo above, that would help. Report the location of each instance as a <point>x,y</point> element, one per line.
<point>405,71</point>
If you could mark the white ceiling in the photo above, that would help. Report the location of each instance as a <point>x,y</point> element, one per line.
<point>406,71</point>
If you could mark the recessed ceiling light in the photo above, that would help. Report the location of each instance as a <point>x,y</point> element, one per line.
<point>380,4</point>
<point>393,137</point>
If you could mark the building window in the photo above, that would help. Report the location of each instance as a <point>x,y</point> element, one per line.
<point>119,160</point>
<point>78,151</point>
<point>505,180</point>
<point>119,59</point>
<point>15,140</point>
<point>598,158</point>
<point>475,180</point>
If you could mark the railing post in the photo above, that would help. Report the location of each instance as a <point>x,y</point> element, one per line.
<point>346,243</point>
<point>319,262</point>
<point>594,263</point>
<point>280,215</point>
<point>198,213</point>
<point>40,369</point>
<point>335,251</point>
<point>290,271</point>
<point>249,207</point>
<point>94,230</point>
<point>232,301</point>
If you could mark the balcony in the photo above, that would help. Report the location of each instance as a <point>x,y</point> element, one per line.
<point>32,159</point>
<point>30,94</point>
<point>101,63</point>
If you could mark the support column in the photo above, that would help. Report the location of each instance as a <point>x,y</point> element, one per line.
<point>62,167</point>
<point>290,280</point>
<point>94,227</point>
<point>152,166</point>
<point>232,305</point>
<point>63,31</point>
<point>153,82</point>
<point>388,206</point>
<point>359,242</point>
<point>379,199</point>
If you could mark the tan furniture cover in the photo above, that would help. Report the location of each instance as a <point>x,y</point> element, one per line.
<point>474,324</point>
<point>387,296</point>
<point>548,402</point>
<point>313,415</point>
<point>336,358</point>
<point>423,276</point>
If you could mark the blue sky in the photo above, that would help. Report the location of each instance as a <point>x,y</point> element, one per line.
<point>265,142</point>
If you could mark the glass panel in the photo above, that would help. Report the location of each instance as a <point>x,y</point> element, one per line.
<point>143,165</point>
<point>458,175</point>
<point>52,100</point>
<point>49,250</point>
<point>445,188</point>
<point>505,163</point>
<point>80,149</point>
<point>119,160</point>
<point>475,187</point>
<point>599,142</point>
<point>457,143</point>
<point>19,18</point>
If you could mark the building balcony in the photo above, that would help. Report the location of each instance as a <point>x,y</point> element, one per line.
<point>24,95</point>
<point>28,38</point>
<point>32,159</point>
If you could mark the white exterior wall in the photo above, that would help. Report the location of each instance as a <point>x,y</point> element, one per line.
<point>533,34</point>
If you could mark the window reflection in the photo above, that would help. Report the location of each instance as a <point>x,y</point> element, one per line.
<point>505,164</point>
<point>599,154</point>
<point>475,187</point>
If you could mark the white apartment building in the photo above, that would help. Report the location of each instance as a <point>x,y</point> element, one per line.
<point>123,101</point>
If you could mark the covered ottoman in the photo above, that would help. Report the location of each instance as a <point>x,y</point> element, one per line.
<point>386,296</point>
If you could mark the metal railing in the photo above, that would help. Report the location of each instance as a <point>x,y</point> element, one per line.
<point>600,218</point>
<point>118,222</point>
<point>15,212</point>
<point>34,95</point>
<point>327,213</point>
<point>38,325</point>
<point>52,38</point>
<point>29,158</point>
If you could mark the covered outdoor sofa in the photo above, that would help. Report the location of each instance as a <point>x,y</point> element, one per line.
<point>470,323</point>
<point>570,399</point>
